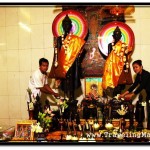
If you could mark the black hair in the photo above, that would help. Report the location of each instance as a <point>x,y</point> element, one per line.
<point>139,62</point>
<point>43,60</point>
<point>93,86</point>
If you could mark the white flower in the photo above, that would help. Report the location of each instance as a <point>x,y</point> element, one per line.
<point>33,128</point>
<point>61,102</point>
<point>36,128</point>
<point>67,98</point>
<point>47,111</point>
<point>39,129</point>
<point>52,115</point>
<point>117,97</point>
<point>33,100</point>
<point>38,124</point>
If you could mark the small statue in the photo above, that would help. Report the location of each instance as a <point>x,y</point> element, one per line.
<point>30,105</point>
<point>37,107</point>
<point>47,106</point>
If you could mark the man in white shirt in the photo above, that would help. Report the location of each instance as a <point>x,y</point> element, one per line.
<point>38,82</point>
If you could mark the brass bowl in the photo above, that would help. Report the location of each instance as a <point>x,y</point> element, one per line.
<point>96,126</point>
<point>109,126</point>
<point>91,106</point>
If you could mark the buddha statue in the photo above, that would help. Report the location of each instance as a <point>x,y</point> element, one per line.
<point>117,72</point>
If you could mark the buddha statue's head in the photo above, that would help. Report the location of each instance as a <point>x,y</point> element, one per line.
<point>67,24</point>
<point>117,34</point>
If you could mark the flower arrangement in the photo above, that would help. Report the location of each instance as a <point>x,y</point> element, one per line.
<point>44,122</point>
<point>36,128</point>
<point>45,118</point>
<point>62,105</point>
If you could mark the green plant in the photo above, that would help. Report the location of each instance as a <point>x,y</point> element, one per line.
<point>62,104</point>
<point>45,120</point>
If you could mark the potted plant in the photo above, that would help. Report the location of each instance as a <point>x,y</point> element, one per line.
<point>42,127</point>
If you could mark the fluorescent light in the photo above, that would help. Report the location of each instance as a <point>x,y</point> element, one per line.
<point>24,26</point>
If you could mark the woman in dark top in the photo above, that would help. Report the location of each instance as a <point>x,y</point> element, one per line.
<point>142,80</point>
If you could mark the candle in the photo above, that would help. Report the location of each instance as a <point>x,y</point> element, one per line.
<point>62,108</point>
<point>83,127</point>
<point>79,127</point>
<point>122,107</point>
<point>90,128</point>
<point>109,112</point>
<point>87,127</point>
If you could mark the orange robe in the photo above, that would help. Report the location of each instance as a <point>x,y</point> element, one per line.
<point>114,66</point>
<point>65,61</point>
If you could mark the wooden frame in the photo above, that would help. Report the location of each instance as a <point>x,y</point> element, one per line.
<point>93,81</point>
<point>23,130</point>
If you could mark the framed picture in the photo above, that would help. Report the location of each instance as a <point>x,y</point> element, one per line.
<point>93,86</point>
<point>23,130</point>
